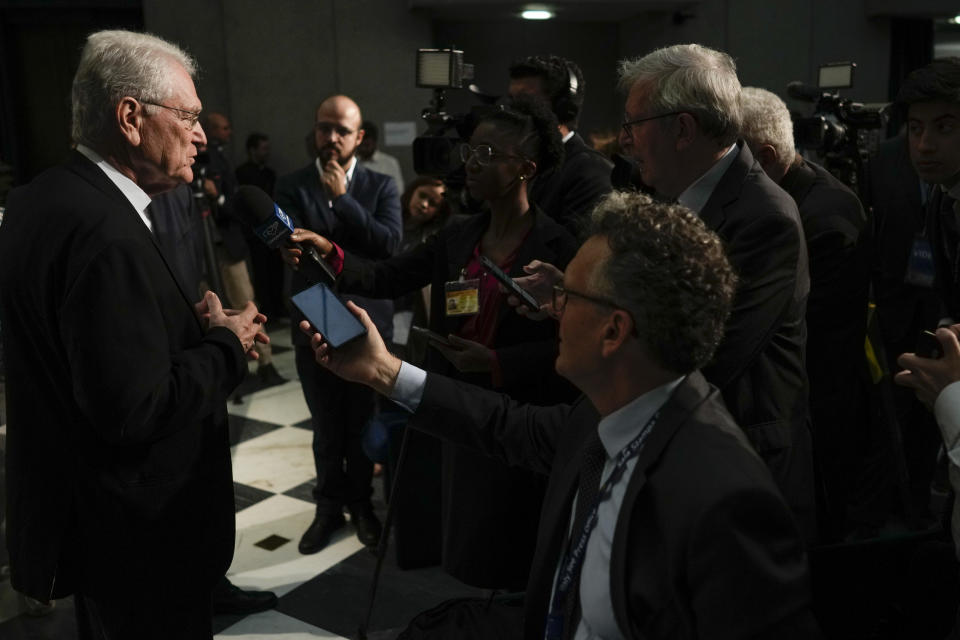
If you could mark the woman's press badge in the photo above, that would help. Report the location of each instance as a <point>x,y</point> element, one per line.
<point>463,297</point>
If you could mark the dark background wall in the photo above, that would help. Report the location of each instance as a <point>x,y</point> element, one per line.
<point>267,64</point>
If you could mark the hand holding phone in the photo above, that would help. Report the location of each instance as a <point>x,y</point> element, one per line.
<point>431,335</point>
<point>528,300</point>
<point>321,307</point>
<point>928,346</point>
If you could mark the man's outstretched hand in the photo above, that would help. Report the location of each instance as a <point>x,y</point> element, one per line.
<point>365,360</point>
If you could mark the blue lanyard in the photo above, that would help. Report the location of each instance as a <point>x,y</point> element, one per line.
<point>573,557</point>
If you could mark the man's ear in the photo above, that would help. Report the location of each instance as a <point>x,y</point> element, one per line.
<point>766,155</point>
<point>618,330</point>
<point>129,115</point>
<point>685,129</point>
<point>360,133</point>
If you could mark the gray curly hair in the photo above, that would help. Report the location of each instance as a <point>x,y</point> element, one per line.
<point>670,272</point>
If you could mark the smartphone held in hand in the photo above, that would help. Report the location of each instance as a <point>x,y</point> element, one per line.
<point>328,315</point>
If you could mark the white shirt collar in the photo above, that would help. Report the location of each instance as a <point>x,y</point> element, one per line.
<point>620,427</point>
<point>137,197</point>
<point>954,191</point>
<point>697,194</point>
<point>349,171</point>
<point>569,135</point>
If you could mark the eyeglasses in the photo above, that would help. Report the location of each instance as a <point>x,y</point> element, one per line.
<point>626,125</point>
<point>189,117</point>
<point>561,293</point>
<point>483,154</point>
<point>326,128</point>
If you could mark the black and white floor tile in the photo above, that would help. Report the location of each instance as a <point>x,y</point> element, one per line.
<point>324,595</point>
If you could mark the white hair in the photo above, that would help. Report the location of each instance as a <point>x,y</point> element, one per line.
<point>693,79</point>
<point>766,120</point>
<point>119,64</point>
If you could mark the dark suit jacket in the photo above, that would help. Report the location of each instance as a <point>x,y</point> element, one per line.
<point>759,365</point>
<point>569,193</point>
<point>835,228</point>
<point>177,226</point>
<point>118,456</point>
<point>904,309</point>
<point>704,545</point>
<point>229,226</point>
<point>366,221</point>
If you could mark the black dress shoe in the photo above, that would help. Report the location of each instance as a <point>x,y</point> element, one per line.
<point>229,598</point>
<point>317,536</point>
<point>367,525</point>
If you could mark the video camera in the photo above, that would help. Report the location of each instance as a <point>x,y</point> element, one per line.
<point>838,128</point>
<point>435,153</point>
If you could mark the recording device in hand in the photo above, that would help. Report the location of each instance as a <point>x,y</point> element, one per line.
<point>928,346</point>
<point>431,335</point>
<point>324,311</point>
<point>273,227</point>
<point>528,300</point>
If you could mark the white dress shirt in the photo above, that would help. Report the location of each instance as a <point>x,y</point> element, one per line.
<point>947,412</point>
<point>698,193</point>
<point>137,196</point>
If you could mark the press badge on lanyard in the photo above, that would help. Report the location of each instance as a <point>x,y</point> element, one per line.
<point>920,268</point>
<point>463,297</point>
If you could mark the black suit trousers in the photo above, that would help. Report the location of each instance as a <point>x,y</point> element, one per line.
<point>339,411</point>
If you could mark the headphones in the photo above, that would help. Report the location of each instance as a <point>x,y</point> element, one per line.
<point>565,105</point>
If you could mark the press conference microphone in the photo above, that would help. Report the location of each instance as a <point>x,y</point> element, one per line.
<point>800,91</point>
<point>273,227</point>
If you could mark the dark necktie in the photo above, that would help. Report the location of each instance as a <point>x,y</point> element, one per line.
<point>591,468</point>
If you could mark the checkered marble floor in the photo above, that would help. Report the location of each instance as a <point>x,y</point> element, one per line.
<point>322,595</point>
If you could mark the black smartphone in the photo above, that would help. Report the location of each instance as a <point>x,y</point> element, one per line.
<point>323,309</point>
<point>528,300</point>
<point>431,335</point>
<point>928,346</point>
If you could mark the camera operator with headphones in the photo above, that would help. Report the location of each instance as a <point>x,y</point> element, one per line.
<point>568,193</point>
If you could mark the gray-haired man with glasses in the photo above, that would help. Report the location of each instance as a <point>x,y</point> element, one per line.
<point>118,454</point>
<point>681,123</point>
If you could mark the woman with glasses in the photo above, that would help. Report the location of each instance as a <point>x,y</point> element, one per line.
<point>489,510</point>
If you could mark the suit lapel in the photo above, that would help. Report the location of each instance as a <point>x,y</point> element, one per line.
<point>92,173</point>
<point>728,189</point>
<point>692,392</point>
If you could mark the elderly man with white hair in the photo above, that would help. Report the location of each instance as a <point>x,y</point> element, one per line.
<point>833,220</point>
<point>120,488</point>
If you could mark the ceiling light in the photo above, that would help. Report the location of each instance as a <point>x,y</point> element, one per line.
<point>536,14</point>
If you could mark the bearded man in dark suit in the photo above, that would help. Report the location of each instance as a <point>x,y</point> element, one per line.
<point>359,209</point>
<point>118,455</point>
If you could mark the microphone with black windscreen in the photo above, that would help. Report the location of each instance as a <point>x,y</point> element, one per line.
<point>273,227</point>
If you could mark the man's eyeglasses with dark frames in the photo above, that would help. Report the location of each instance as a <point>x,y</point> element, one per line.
<point>189,117</point>
<point>626,125</point>
<point>561,293</point>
